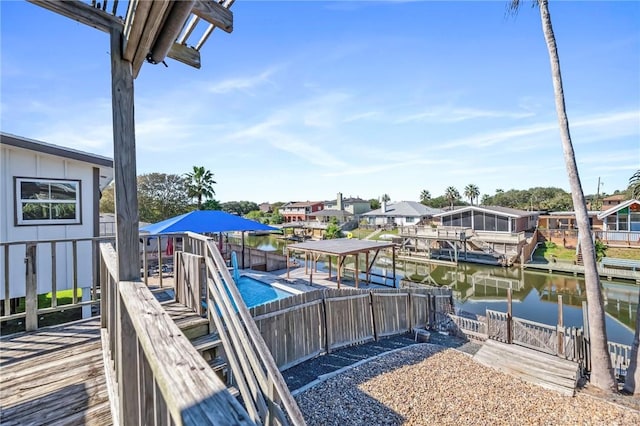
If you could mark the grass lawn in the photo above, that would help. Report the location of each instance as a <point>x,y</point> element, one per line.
<point>551,249</point>
<point>63,297</point>
<point>393,232</point>
<point>359,233</point>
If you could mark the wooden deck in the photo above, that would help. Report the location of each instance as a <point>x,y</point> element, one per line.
<point>570,268</point>
<point>54,375</point>
<point>532,366</point>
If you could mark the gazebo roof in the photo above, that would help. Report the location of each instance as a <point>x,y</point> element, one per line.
<point>340,246</point>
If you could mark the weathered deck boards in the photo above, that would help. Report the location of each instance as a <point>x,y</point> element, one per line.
<point>531,366</point>
<point>54,375</point>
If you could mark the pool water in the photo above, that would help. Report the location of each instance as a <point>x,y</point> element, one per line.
<point>256,292</point>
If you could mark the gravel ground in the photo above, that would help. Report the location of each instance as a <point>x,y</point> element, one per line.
<point>430,384</point>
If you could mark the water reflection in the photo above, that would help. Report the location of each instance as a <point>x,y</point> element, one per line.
<point>535,294</point>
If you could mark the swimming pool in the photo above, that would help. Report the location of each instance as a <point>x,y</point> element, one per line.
<point>256,292</point>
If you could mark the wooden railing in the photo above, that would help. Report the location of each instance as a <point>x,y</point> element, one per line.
<point>48,266</point>
<point>155,374</point>
<point>620,357</point>
<point>262,388</point>
<point>471,327</point>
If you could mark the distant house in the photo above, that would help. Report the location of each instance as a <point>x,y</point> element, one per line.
<point>265,207</point>
<point>489,218</point>
<point>355,206</point>
<point>301,211</point>
<point>49,193</point>
<point>566,221</point>
<point>622,217</point>
<point>403,213</point>
<point>612,200</point>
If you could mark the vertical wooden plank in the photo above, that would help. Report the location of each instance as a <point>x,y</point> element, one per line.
<point>393,262</point>
<point>54,278</point>
<point>145,263</point>
<point>128,384</point>
<point>357,273</point>
<point>31,298</point>
<point>7,295</point>
<point>95,249</point>
<point>124,161</point>
<point>74,257</point>
<point>587,336</point>
<point>560,328</point>
<point>509,317</point>
<point>329,256</point>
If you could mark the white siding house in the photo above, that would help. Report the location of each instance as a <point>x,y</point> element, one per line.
<point>48,192</point>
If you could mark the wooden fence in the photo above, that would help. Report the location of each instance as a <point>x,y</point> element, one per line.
<point>259,260</point>
<point>325,320</point>
<point>157,375</point>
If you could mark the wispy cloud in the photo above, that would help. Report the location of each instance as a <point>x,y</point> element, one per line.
<point>243,84</point>
<point>455,115</point>
<point>361,116</point>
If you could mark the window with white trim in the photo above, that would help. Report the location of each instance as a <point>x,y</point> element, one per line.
<point>47,201</point>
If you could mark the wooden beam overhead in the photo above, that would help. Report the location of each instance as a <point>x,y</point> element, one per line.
<point>153,25</point>
<point>214,13</point>
<point>83,13</point>
<point>186,55</point>
<point>137,14</point>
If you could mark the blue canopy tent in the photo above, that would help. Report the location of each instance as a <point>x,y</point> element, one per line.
<point>205,222</point>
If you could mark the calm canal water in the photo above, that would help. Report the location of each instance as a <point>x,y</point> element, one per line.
<point>477,288</point>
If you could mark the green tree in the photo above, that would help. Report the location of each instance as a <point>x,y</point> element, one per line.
<point>374,204</point>
<point>199,184</point>
<point>107,199</point>
<point>425,196</point>
<point>602,375</point>
<point>452,195</point>
<point>472,192</point>
<point>161,196</point>
<point>333,230</point>
<point>240,208</point>
<point>257,215</point>
<point>385,198</point>
<point>276,218</point>
<point>211,204</point>
<point>634,186</point>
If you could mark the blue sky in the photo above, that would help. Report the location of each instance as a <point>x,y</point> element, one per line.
<point>305,99</point>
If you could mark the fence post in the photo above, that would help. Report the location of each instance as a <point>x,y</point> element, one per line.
<point>509,317</point>
<point>31,295</point>
<point>586,337</point>
<point>560,327</point>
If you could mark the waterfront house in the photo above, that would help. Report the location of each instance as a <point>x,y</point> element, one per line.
<point>49,192</point>
<point>403,213</point>
<point>300,211</point>
<point>621,224</point>
<point>489,218</point>
<point>354,205</point>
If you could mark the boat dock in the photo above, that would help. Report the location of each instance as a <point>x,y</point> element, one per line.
<point>573,269</point>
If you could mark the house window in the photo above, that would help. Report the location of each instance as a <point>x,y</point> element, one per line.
<point>409,219</point>
<point>47,201</point>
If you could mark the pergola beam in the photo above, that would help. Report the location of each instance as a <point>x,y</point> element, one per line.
<point>83,13</point>
<point>214,13</point>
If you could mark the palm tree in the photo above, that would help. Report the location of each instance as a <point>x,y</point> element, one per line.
<point>602,375</point>
<point>200,184</point>
<point>451,194</point>
<point>385,198</point>
<point>634,185</point>
<point>425,196</point>
<point>472,192</point>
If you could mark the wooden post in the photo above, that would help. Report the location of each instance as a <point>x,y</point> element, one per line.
<point>393,263</point>
<point>306,262</point>
<point>356,272</point>
<point>145,263</point>
<point>368,271</point>
<point>54,273</point>
<point>160,259</point>
<point>7,289</point>
<point>31,296</point>
<point>287,254</point>
<point>74,256</point>
<point>339,270</point>
<point>560,327</point>
<point>329,256</point>
<point>509,317</point>
<point>242,249</point>
<point>587,337</point>
<point>124,162</point>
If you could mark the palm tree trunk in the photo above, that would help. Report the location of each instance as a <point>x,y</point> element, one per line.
<point>602,375</point>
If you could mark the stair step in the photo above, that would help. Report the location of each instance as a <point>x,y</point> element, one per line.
<point>217,363</point>
<point>206,342</point>
<point>234,391</point>
<point>190,323</point>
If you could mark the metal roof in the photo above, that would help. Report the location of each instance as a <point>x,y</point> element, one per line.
<point>506,211</point>
<point>340,246</point>
<point>405,208</point>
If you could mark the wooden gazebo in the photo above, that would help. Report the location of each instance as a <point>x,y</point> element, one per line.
<point>342,248</point>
